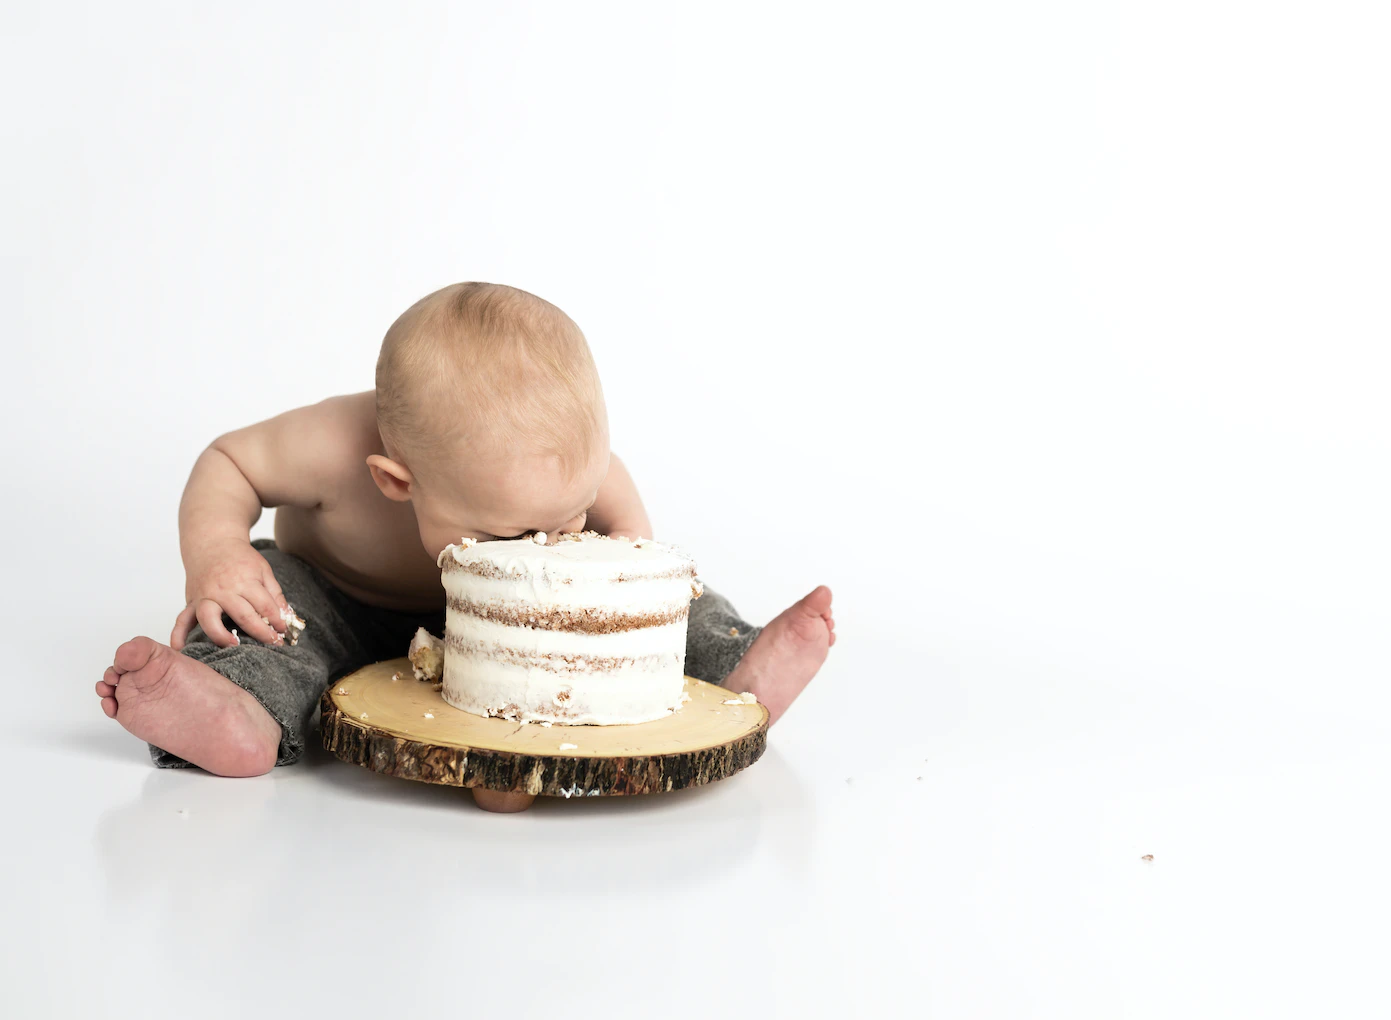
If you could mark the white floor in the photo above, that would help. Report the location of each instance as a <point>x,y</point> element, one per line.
<point>979,847</point>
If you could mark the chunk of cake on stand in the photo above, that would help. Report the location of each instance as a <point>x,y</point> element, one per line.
<point>582,637</point>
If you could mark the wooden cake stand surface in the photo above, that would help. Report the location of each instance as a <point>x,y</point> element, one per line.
<point>384,719</point>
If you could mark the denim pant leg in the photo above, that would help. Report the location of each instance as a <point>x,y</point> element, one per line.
<point>716,637</point>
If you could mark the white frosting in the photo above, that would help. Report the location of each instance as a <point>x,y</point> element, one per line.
<point>472,631</point>
<point>658,595</point>
<point>494,667</point>
<point>583,556</point>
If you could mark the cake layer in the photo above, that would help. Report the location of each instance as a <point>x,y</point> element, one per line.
<point>566,663</point>
<point>461,629</point>
<point>584,619</point>
<point>621,691</point>
<point>512,599</point>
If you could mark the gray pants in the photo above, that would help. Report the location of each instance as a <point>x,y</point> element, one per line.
<point>343,635</point>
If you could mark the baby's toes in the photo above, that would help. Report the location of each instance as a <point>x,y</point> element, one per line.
<point>105,690</point>
<point>109,706</point>
<point>134,654</point>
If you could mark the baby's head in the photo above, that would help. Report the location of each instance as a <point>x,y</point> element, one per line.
<point>491,414</point>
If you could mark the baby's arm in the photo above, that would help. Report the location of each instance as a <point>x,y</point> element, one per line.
<point>284,461</point>
<point>619,510</point>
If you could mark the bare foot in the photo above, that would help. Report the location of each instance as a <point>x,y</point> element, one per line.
<point>188,709</point>
<point>787,654</point>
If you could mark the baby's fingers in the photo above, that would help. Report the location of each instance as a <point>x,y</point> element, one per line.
<point>244,613</point>
<point>178,637</point>
<point>273,586</point>
<point>265,606</point>
<point>209,614</point>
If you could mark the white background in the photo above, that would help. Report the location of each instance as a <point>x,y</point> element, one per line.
<point>1053,337</point>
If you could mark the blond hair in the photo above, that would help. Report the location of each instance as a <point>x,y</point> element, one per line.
<point>494,366</point>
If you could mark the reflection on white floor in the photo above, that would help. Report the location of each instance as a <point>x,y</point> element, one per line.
<point>241,844</point>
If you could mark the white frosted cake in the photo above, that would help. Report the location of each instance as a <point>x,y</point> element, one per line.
<point>588,630</point>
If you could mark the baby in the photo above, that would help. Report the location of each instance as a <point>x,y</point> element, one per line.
<point>487,421</point>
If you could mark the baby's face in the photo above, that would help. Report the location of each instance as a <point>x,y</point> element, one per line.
<point>504,498</point>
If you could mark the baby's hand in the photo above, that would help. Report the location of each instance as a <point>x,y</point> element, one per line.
<point>231,577</point>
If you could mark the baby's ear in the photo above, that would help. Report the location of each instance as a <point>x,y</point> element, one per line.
<point>393,478</point>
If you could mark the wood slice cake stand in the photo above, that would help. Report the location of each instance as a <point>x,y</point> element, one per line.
<point>384,719</point>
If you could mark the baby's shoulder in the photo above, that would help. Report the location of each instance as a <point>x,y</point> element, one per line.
<point>308,456</point>
<point>341,431</point>
<point>328,441</point>
<point>352,413</point>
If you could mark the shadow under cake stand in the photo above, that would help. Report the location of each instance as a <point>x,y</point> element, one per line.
<point>383,719</point>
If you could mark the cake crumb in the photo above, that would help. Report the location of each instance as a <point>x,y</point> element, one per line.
<point>733,631</point>
<point>294,623</point>
<point>546,723</point>
<point>1147,857</point>
<point>539,538</point>
<point>568,747</point>
<point>439,687</point>
<point>363,715</point>
<point>732,701</point>
<point>697,589</point>
<point>429,715</point>
<point>456,550</point>
<point>395,677</point>
<point>747,697</point>
<point>342,690</point>
<point>426,653</point>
